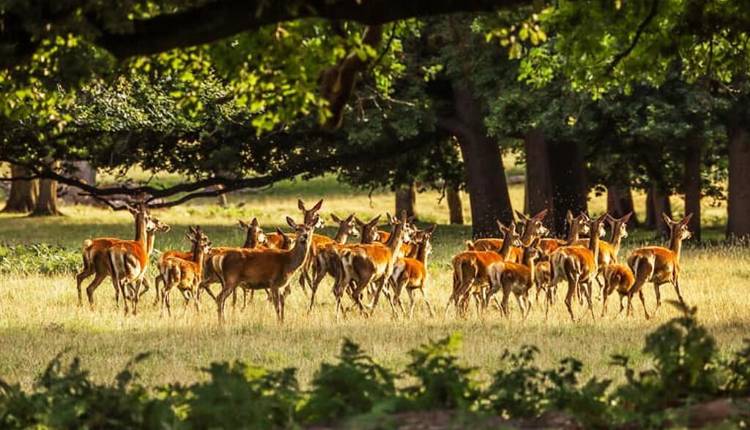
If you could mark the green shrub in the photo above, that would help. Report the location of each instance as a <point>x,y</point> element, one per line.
<point>38,258</point>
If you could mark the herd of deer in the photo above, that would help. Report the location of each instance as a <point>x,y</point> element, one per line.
<point>386,262</point>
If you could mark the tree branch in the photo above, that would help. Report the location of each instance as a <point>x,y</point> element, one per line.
<point>638,33</point>
<point>218,20</point>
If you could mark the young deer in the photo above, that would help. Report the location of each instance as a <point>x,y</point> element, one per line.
<point>619,277</point>
<point>95,258</point>
<point>128,263</point>
<point>254,238</point>
<point>325,262</point>
<point>660,265</point>
<point>608,251</point>
<point>533,227</point>
<point>516,278</point>
<point>576,226</point>
<point>578,265</point>
<point>470,270</point>
<point>364,264</point>
<point>259,269</point>
<point>186,274</point>
<point>411,273</point>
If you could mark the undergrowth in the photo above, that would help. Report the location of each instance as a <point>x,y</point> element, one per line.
<point>686,369</point>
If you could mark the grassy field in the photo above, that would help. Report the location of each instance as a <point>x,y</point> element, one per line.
<point>39,316</point>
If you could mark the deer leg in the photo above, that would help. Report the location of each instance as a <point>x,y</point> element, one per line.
<point>221,299</point>
<point>658,296</point>
<point>569,298</point>
<point>587,293</point>
<point>621,306</point>
<point>504,304</point>
<point>159,278</point>
<point>80,277</point>
<point>520,305</point>
<point>92,286</point>
<point>676,283</point>
<point>643,302</point>
<point>605,294</point>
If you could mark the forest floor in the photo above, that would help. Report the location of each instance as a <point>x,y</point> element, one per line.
<point>40,317</point>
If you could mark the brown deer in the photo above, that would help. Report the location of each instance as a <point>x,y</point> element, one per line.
<point>325,262</point>
<point>128,263</point>
<point>576,226</point>
<point>619,277</point>
<point>578,265</point>
<point>516,278</point>
<point>411,273</point>
<point>660,265</point>
<point>533,227</point>
<point>258,269</point>
<point>364,264</point>
<point>96,260</point>
<point>608,251</point>
<point>254,238</point>
<point>186,274</point>
<point>470,270</point>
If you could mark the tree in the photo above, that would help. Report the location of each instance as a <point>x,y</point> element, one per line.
<point>46,204</point>
<point>406,200</point>
<point>23,193</point>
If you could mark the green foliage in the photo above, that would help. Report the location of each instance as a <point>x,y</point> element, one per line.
<point>355,385</point>
<point>242,396</point>
<point>441,381</point>
<point>685,369</point>
<point>39,258</point>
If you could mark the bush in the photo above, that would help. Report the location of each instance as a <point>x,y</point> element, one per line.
<point>686,370</point>
<point>39,258</point>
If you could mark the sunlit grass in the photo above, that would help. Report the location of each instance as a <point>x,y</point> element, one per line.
<point>39,316</point>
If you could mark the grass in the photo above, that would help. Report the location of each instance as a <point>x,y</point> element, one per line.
<point>39,316</point>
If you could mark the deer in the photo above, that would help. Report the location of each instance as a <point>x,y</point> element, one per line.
<point>94,251</point>
<point>258,269</point>
<point>660,265</point>
<point>128,263</point>
<point>186,274</point>
<point>324,263</point>
<point>576,226</point>
<point>411,273</point>
<point>533,227</point>
<point>407,249</point>
<point>364,264</point>
<point>470,269</point>
<point>579,265</point>
<point>516,278</point>
<point>254,238</point>
<point>619,277</point>
<point>609,251</point>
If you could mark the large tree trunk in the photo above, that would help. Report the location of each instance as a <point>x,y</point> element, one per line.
<point>538,194</point>
<point>406,199</point>
<point>46,204</point>
<point>455,206</point>
<point>620,203</point>
<point>692,185</point>
<point>485,176</point>
<point>23,194</point>
<point>657,203</point>
<point>738,223</point>
<point>569,186</point>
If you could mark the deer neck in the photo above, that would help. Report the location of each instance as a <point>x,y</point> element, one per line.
<point>675,245</point>
<point>148,243</point>
<point>251,240</point>
<point>573,233</point>
<point>504,250</point>
<point>140,229</point>
<point>594,246</point>
<point>422,253</point>
<point>199,257</point>
<point>616,239</point>
<point>341,235</point>
<point>396,238</point>
<point>299,253</point>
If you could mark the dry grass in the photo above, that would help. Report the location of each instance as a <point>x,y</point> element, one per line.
<point>39,316</point>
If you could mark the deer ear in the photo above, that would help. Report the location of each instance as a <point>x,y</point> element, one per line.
<point>301,205</point>
<point>349,218</point>
<point>317,205</point>
<point>667,219</point>
<point>431,229</point>
<point>521,216</point>
<point>626,218</point>
<point>569,216</point>
<point>687,219</point>
<point>291,222</point>
<point>374,221</point>
<point>602,218</point>
<point>389,217</point>
<point>540,216</point>
<point>280,231</point>
<point>254,222</point>
<point>335,218</point>
<point>359,222</point>
<point>243,224</point>
<point>500,225</point>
